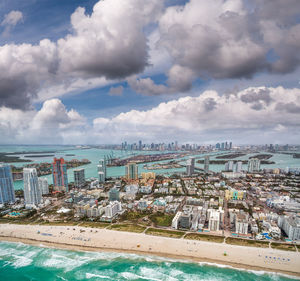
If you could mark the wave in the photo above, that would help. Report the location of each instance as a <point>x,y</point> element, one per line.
<point>146,267</point>
<point>92,275</point>
<point>256,272</point>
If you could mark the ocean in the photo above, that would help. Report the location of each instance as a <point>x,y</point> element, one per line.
<point>26,262</point>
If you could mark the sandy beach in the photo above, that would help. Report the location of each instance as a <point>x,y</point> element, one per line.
<point>96,239</point>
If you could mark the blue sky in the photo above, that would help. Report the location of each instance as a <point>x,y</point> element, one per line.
<point>173,55</point>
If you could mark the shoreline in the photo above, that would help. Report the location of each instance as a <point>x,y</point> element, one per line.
<point>158,250</point>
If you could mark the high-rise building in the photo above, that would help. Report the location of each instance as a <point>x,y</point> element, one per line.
<point>214,220</point>
<point>60,176</point>
<point>253,165</point>
<point>7,192</point>
<point>218,146</point>
<point>32,192</point>
<point>238,166</point>
<point>79,178</point>
<point>241,224</point>
<point>190,166</point>
<point>131,170</point>
<point>222,146</point>
<point>112,209</point>
<point>229,166</point>
<point>114,194</point>
<point>102,170</point>
<point>43,185</point>
<point>230,145</point>
<point>206,164</point>
<point>140,145</point>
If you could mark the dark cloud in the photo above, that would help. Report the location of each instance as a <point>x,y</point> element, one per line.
<point>288,107</point>
<point>209,104</point>
<point>255,96</point>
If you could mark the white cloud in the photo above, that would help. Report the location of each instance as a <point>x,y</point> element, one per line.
<point>246,115</point>
<point>10,20</point>
<point>109,43</point>
<point>53,123</point>
<point>253,115</point>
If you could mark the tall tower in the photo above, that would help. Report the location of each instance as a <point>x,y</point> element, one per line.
<point>79,178</point>
<point>60,176</point>
<point>32,191</point>
<point>253,165</point>
<point>190,166</point>
<point>131,170</point>
<point>206,164</point>
<point>43,185</point>
<point>7,192</point>
<point>102,170</point>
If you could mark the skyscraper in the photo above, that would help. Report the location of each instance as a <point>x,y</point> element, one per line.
<point>131,170</point>
<point>190,166</point>
<point>32,192</point>
<point>60,177</point>
<point>7,192</point>
<point>140,145</point>
<point>238,166</point>
<point>102,170</point>
<point>253,165</point>
<point>79,178</point>
<point>229,166</point>
<point>206,164</point>
<point>43,185</point>
<point>114,194</point>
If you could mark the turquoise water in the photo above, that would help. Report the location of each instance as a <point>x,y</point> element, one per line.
<point>94,154</point>
<point>24,262</point>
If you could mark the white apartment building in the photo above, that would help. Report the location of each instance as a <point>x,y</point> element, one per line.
<point>113,209</point>
<point>176,220</point>
<point>241,224</point>
<point>43,185</point>
<point>291,226</point>
<point>214,220</point>
<point>32,192</point>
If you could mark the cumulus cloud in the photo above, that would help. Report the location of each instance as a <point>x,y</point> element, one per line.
<point>228,39</point>
<point>53,123</point>
<point>109,43</point>
<point>210,115</point>
<point>120,39</point>
<point>188,119</point>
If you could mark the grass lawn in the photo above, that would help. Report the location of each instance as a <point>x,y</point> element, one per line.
<point>161,219</point>
<point>94,224</point>
<point>165,232</point>
<point>127,227</point>
<point>68,223</point>
<point>245,242</point>
<point>131,216</point>
<point>285,247</point>
<point>204,237</point>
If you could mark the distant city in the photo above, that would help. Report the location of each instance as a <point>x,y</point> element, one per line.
<point>243,200</point>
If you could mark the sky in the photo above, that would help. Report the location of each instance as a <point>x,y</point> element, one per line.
<point>108,71</point>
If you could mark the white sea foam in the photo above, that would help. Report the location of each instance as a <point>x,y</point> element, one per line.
<point>156,274</point>
<point>256,272</point>
<point>21,261</point>
<point>92,275</point>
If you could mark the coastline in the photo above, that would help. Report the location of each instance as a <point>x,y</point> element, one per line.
<point>238,257</point>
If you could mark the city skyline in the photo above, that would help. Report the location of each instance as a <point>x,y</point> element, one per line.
<point>70,75</point>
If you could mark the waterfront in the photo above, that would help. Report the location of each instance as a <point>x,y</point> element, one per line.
<point>94,154</point>
<point>43,263</point>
